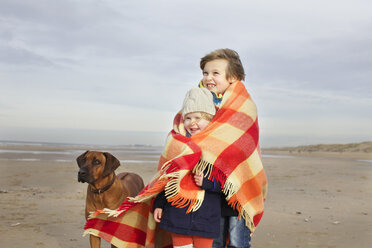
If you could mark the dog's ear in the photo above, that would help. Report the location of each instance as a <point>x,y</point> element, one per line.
<point>112,164</point>
<point>81,158</point>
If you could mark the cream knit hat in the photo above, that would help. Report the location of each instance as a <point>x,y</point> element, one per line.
<point>198,100</point>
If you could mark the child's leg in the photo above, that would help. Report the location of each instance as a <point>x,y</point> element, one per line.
<point>181,241</point>
<point>220,242</point>
<point>239,234</point>
<point>202,242</point>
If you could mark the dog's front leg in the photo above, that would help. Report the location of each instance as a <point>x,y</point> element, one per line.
<point>95,242</point>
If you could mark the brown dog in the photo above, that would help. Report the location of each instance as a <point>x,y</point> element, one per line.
<point>105,189</point>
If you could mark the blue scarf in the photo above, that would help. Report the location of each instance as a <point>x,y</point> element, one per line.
<point>217,98</point>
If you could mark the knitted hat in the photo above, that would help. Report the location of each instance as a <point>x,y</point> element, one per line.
<point>198,100</point>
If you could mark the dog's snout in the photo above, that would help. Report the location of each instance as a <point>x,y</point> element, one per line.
<point>82,175</point>
<point>83,171</point>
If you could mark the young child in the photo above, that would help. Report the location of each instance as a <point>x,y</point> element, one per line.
<point>198,228</point>
<point>222,68</point>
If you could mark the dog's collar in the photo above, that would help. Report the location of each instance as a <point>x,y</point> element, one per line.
<point>101,190</point>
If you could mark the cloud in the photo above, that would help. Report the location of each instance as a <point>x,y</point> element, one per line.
<point>48,111</point>
<point>304,60</point>
<point>18,56</point>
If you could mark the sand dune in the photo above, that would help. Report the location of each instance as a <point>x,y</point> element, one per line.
<point>350,147</point>
<point>361,150</point>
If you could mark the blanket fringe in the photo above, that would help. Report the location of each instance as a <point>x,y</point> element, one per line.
<point>248,221</point>
<point>243,214</point>
<point>162,178</point>
<point>150,192</point>
<point>86,232</point>
<point>228,188</point>
<point>201,166</point>
<point>172,193</point>
<point>181,202</point>
<point>108,212</point>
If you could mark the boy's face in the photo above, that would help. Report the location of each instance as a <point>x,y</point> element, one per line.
<point>214,76</point>
<point>194,123</point>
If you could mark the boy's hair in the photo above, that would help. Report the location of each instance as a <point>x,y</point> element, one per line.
<point>234,67</point>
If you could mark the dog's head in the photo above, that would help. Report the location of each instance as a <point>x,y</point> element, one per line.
<point>95,165</point>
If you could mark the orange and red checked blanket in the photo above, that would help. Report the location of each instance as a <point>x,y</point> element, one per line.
<point>228,149</point>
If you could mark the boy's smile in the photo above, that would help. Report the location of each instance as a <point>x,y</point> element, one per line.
<point>214,76</point>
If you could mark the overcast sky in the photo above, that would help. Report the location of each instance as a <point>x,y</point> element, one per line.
<point>90,70</point>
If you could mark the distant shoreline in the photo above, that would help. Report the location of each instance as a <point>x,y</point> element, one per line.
<point>362,150</point>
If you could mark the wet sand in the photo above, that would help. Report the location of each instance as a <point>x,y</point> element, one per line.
<point>314,200</point>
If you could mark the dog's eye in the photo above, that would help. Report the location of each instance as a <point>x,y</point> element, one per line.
<point>96,162</point>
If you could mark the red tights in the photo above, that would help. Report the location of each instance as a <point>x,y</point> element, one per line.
<point>197,241</point>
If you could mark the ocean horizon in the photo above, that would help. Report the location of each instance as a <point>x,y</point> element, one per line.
<point>82,137</point>
<point>111,138</point>
<point>63,152</point>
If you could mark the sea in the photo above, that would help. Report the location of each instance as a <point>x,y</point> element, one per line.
<point>60,152</point>
<point>64,152</point>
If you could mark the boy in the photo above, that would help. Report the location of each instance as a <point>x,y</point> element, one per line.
<point>222,68</point>
<point>198,228</point>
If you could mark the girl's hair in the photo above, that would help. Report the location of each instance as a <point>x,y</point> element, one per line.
<point>234,67</point>
<point>206,116</point>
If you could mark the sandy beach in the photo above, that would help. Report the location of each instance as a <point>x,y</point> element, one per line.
<point>316,199</point>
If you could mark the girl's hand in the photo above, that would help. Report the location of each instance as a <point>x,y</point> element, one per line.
<point>198,180</point>
<point>158,213</point>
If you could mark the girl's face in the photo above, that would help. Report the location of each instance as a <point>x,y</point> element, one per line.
<point>194,123</point>
<point>214,76</point>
